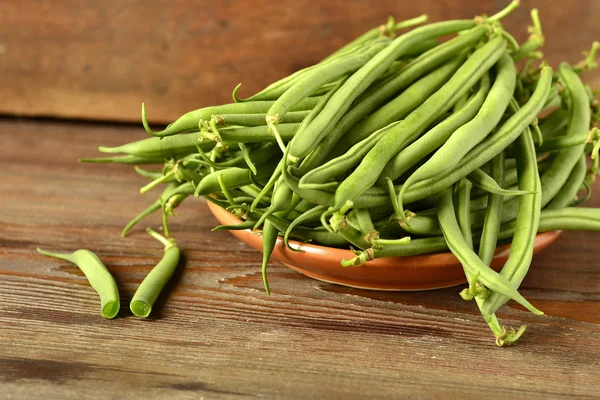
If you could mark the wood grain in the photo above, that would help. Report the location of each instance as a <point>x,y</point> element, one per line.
<point>101,59</point>
<point>217,335</point>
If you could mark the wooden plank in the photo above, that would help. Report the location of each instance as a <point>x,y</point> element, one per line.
<point>101,60</point>
<point>217,335</point>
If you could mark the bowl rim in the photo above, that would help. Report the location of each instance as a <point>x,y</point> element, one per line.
<point>345,253</point>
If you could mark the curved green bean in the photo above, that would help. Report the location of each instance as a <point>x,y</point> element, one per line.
<point>97,275</point>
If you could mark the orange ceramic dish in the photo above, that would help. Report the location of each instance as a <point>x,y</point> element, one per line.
<point>430,271</point>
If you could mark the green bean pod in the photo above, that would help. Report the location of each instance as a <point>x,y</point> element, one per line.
<point>491,146</point>
<point>367,172</point>
<point>126,159</point>
<point>579,121</point>
<point>152,208</point>
<point>435,137</point>
<point>362,79</point>
<point>470,261</point>
<point>189,121</point>
<point>473,132</point>
<point>258,119</point>
<point>403,104</point>
<point>234,177</point>
<point>146,294</point>
<point>490,185</point>
<point>341,164</point>
<point>568,193</point>
<point>98,276</point>
<point>463,209</point>
<point>526,224</point>
<point>374,33</point>
<point>493,214</point>
<point>376,96</point>
<point>322,74</point>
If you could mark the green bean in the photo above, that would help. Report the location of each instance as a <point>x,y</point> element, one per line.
<point>420,225</point>
<point>258,119</point>
<point>280,201</point>
<point>554,124</point>
<point>338,165</point>
<point>489,184</point>
<point>146,294</point>
<point>314,212</point>
<point>155,147</point>
<point>249,224</point>
<point>364,221</point>
<point>255,155</point>
<point>234,178</point>
<point>579,120</point>
<point>469,260</point>
<point>435,137</point>
<point>376,32</point>
<point>258,134</point>
<point>487,149</point>
<point>276,89</point>
<point>413,125</point>
<point>568,193</point>
<point>569,218</point>
<point>473,132</point>
<point>354,236</point>
<point>374,97</point>
<point>98,276</point>
<point>463,210</point>
<point>189,122</point>
<point>493,214</point>
<point>323,238</point>
<point>127,159</point>
<point>151,208</point>
<point>322,74</point>
<point>526,223</point>
<point>404,103</point>
<point>361,80</point>
<point>149,174</point>
<point>269,240</point>
<point>563,142</point>
<point>315,111</point>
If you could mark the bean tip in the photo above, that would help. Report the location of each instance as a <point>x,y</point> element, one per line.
<point>110,309</point>
<point>140,308</point>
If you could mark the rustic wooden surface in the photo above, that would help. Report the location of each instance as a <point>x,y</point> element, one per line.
<point>217,335</point>
<point>101,59</point>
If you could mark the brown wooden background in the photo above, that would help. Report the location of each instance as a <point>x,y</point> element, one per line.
<point>99,60</point>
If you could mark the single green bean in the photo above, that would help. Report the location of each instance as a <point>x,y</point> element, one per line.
<point>568,193</point>
<point>463,209</point>
<point>579,121</point>
<point>97,275</point>
<point>493,213</point>
<point>526,223</point>
<point>189,121</point>
<point>127,159</point>
<point>146,294</point>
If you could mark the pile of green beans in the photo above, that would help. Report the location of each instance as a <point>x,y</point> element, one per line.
<point>398,144</point>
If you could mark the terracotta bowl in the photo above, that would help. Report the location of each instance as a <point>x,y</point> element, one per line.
<point>431,271</point>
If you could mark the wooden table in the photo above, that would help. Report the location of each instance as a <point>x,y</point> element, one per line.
<point>217,335</point>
